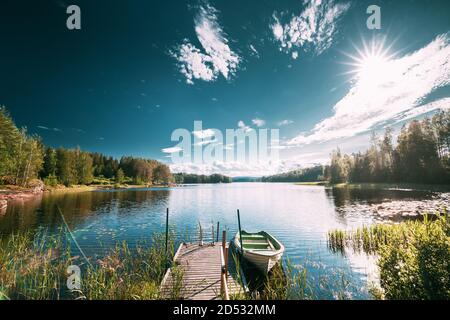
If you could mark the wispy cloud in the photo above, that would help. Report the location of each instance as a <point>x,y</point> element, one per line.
<point>203,134</point>
<point>49,129</point>
<point>243,126</point>
<point>172,150</point>
<point>230,168</point>
<point>253,51</point>
<point>258,122</point>
<point>285,122</point>
<point>215,58</point>
<point>396,92</point>
<point>313,30</point>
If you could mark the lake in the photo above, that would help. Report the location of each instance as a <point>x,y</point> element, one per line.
<point>299,216</point>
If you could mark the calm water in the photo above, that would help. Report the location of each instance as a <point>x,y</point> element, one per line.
<point>299,216</point>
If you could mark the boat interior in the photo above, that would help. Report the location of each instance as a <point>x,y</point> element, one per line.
<point>257,242</point>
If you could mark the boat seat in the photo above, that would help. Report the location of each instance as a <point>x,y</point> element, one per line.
<point>258,246</point>
<point>255,236</point>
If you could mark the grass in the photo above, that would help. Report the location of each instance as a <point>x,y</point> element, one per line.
<point>413,256</point>
<point>315,183</point>
<point>34,266</point>
<point>392,185</point>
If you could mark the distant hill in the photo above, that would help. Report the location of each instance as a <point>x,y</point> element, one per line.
<point>247,179</point>
<point>312,174</point>
<point>189,178</point>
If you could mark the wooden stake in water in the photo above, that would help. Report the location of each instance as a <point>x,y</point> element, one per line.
<point>167,229</point>
<point>240,231</point>
<point>201,234</point>
<point>217,238</point>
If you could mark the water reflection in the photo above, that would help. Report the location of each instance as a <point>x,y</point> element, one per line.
<point>299,216</point>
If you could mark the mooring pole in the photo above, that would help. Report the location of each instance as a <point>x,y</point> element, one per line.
<point>167,229</point>
<point>240,231</point>
<point>217,237</point>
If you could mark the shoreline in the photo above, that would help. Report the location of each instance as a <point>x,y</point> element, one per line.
<point>14,193</point>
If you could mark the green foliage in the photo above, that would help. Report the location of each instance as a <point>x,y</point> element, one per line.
<point>23,158</point>
<point>20,154</point>
<point>287,282</point>
<point>120,176</point>
<point>161,174</point>
<point>422,154</point>
<point>33,266</point>
<point>181,178</point>
<point>51,181</point>
<point>413,257</point>
<point>312,174</point>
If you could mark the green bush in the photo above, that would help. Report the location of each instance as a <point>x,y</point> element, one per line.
<point>420,267</point>
<point>51,181</point>
<point>413,256</point>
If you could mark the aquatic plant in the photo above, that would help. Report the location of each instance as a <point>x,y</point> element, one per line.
<point>286,281</point>
<point>413,256</point>
<point>34,266</point>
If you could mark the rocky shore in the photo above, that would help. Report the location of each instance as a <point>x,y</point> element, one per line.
<point>7,195</point>
<point>398,210</point>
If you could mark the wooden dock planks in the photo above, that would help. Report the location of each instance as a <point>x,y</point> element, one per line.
<point>201,270</point>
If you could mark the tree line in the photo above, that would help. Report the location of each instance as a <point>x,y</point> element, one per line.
<point>181,178</point>
<point>312,174</point>
<point>24,157</point>
<point>421,155</point>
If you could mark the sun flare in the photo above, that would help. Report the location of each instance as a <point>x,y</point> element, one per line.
<point>372,64</point>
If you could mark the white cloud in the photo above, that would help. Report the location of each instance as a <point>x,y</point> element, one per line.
<point>258,122</point>
<point>203,134</point>
<point>229,168</point>
<point>47,128</point>
<point>313,30</point>
<point>172,150</point>
<point>395,92</point>
<point>215,58</point>
<point>442,104</point>
<point>253,51</point>
<point>285,122</point>
<point>243,126</point>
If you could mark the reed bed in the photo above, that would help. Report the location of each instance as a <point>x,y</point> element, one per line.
<point>413,256</point>
<point>34,266</point>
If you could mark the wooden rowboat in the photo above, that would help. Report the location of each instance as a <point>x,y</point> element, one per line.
<point>261,249</point>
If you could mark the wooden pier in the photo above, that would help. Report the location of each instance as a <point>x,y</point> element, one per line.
<point>206,272</point>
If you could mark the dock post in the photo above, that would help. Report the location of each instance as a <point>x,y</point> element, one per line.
<point>225,250</point>
<point>240,231</point>
<point>200,243</point>
<point>224,267</point>
<point>224,240</point>
<point>217,238</point>
<point>167,236</point>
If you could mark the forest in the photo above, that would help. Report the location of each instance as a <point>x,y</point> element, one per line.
<point>181,178</point>
<point>24,157</point>
<point>312,174</point>
<point>421,155</point>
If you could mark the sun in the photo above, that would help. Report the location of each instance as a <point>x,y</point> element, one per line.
<point>372,64</point>
<point>372,67</point>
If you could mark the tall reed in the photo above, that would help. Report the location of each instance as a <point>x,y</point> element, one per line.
<point>34,266</point>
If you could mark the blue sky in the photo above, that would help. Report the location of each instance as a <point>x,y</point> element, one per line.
<point>140,69</point>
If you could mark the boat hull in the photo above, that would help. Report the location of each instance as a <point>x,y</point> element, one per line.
<point>263,260</point>
<point>263,263</point>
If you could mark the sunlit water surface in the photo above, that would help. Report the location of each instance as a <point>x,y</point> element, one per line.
<point>299,216</point>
